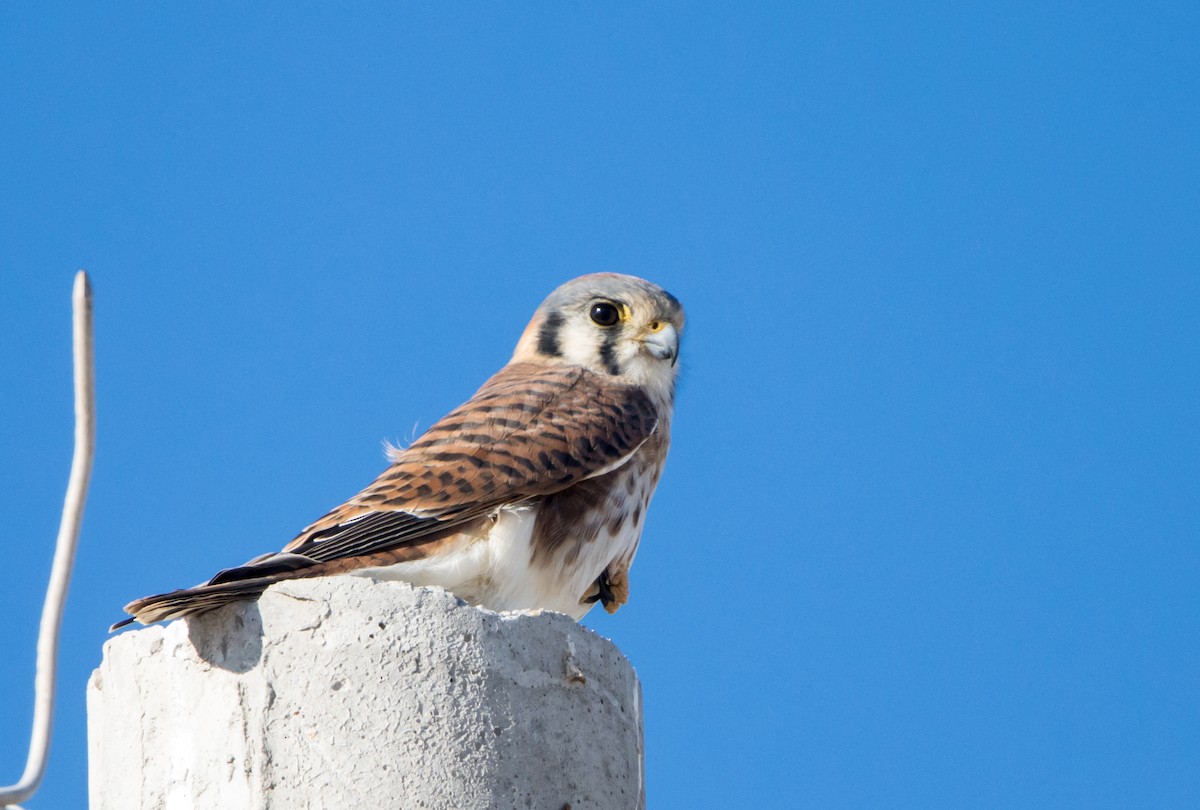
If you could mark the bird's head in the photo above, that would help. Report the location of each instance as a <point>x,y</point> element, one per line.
<point>612,324</point>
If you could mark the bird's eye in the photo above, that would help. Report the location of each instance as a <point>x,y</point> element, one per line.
<point>605,314</point>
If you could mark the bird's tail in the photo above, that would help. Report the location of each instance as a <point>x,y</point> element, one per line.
<point>231,585</point>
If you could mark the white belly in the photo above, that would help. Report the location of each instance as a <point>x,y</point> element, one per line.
<point>497,571</point>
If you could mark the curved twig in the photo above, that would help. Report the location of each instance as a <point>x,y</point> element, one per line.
<point>64,551</point>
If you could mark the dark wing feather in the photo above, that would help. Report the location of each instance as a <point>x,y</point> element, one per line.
<point>374,531</point>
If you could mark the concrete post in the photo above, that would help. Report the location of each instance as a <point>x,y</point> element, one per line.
<point>346,692</point>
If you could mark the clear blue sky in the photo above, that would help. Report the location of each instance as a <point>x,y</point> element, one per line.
<point>930,531</point>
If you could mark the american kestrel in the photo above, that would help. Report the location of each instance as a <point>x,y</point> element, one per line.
<point>532,494</point>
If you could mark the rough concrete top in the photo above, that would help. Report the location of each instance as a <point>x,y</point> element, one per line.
<point>335,692</point>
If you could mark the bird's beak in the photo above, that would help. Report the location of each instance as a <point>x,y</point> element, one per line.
<point>664,343</point>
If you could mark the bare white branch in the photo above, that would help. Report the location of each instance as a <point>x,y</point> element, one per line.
<point>64,552</point>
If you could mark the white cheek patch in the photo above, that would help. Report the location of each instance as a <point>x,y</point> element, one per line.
<point>579,343</point>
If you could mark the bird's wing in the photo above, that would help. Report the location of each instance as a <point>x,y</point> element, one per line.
<point>531,430</point>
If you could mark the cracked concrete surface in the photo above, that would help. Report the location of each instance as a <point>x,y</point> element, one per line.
<point>345,691</point>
